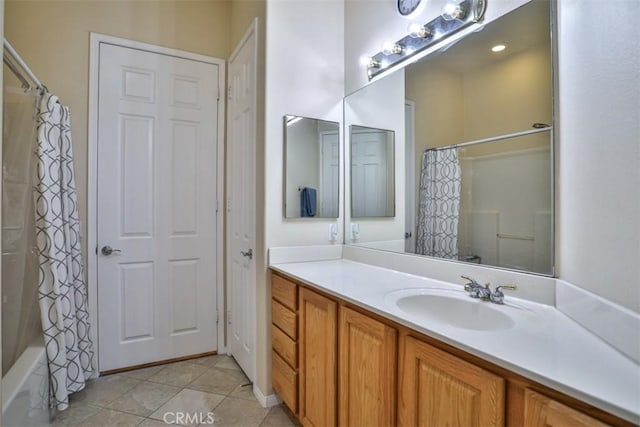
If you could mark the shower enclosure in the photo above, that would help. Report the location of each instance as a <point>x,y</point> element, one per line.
<point>25,375</point>
<point>20,311</point>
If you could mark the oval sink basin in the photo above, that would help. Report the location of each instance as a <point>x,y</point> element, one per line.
<point>453,308</point>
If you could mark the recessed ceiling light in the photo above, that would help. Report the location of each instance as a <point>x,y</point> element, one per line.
<point>498,48</point>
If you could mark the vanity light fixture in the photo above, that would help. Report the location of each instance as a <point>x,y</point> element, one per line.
<point>456,16</point>
<point>498,48</point>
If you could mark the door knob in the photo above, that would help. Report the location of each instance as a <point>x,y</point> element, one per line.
<point>248,254</point>
<point>108,250</point>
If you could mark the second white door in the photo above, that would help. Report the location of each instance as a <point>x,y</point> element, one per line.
<point>156,231</point>
<point>241,204</point>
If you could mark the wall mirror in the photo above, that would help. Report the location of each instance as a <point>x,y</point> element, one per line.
<point>312,164</point>
<point>476,131</point>
<point>372,166</point>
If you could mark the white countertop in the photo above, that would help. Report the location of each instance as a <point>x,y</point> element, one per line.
<point>545,345</point>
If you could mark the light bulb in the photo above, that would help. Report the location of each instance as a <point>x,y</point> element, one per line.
<point>419,31</point>
<point>390,48</point>
<point>453,10</point>
<point>373,63</point>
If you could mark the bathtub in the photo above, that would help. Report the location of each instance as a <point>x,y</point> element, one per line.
<point>25,389</point>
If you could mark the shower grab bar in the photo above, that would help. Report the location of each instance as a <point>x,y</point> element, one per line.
<point>514,237</point>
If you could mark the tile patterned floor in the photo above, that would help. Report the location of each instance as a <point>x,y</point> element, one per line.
<point>150,396</point>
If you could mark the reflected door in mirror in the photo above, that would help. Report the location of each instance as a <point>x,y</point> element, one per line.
<point>371,172</point>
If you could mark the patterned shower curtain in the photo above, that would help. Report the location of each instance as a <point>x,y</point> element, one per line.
<point>61,290</point>
<point>439,204</point>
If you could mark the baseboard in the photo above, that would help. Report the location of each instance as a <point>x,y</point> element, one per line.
<point>266,401</point>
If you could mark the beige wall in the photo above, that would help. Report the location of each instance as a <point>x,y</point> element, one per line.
<point>518,87</point>
<point>458,107</point>
<point>53,38</point>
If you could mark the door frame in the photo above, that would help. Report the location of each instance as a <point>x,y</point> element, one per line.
<point>96,40</point>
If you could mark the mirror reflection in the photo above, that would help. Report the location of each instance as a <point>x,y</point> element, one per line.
<point>312,149</point>
<point>478,147</point>
<point>372,169</point>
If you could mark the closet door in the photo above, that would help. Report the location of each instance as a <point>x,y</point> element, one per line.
<point>156,208</point>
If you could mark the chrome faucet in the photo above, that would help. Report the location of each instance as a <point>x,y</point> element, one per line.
<point>476,290</point>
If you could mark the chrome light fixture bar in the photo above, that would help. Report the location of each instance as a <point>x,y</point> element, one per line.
<point>456,15</point>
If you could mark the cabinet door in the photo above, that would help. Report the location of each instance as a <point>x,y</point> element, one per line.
<point>367,371</point>
<point>438,389</point>
<point>541,411</point>
<point>318,352</point>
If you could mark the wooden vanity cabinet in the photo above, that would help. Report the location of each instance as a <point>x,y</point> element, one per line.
<point>438,389</point>
<point>367,370</point>
<point>335,364</point>
<point>318,359</point>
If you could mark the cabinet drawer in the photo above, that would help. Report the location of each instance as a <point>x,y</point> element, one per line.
<point>284,318</point>
<point>285,381</point>
<point>285,291</point>
<point>284,346</point>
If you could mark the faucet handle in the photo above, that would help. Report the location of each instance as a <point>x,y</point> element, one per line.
<point>471,280</point>
<point>497,296</point>
<point>472,285</point>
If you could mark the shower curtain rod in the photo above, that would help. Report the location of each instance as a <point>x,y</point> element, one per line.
<point>23,81</point>
<point>492,139</point>
<point>20,62</point>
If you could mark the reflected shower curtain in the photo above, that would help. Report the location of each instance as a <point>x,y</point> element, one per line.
<point>439,204</point>
<point>62,290</point>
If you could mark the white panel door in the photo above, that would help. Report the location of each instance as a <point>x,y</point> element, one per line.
<point>369,173</point>
<point>241,204</point>
<point>157,135</point>
<point>329,186</point>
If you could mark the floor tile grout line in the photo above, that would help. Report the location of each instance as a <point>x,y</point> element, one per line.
<point>230,368</point>
<point>155,409</point>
